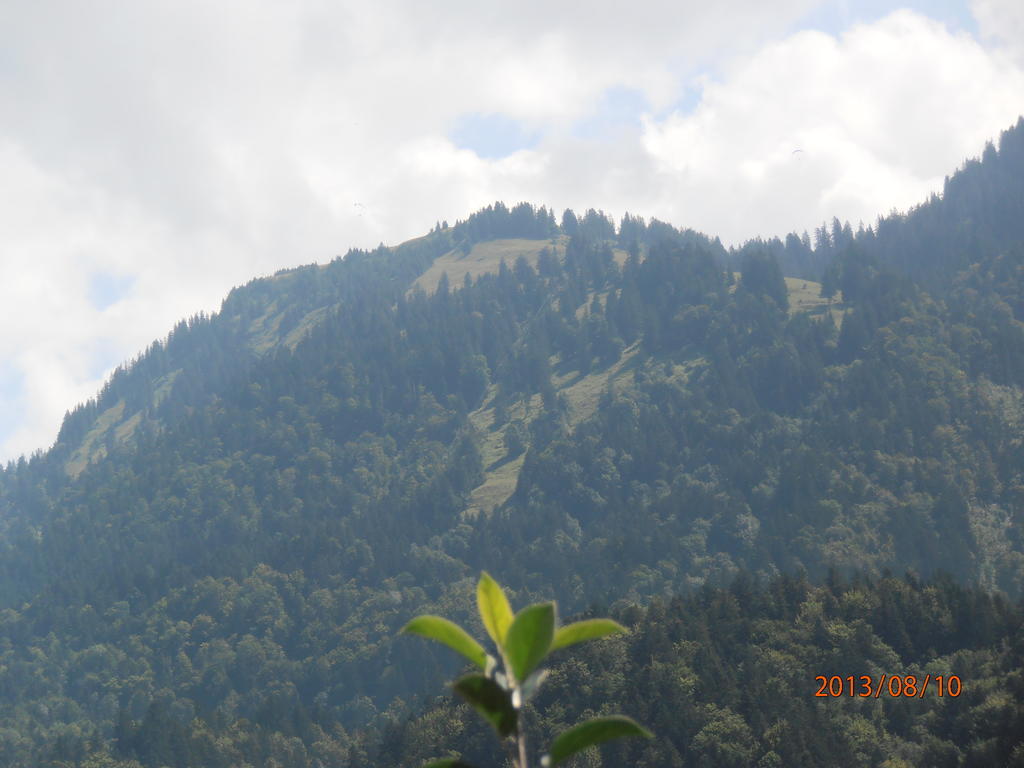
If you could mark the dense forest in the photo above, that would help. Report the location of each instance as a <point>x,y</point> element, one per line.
<point>731,450</point>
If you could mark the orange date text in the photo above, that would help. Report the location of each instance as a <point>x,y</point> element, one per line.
<point>894,686</point>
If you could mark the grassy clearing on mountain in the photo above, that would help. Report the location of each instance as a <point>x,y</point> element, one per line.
<point>264,330</point>
<point>583,393</point>
<point>805,296</point>
<point>501,472</point>
<point>92,447</point>
<point>306,324</point>
<point>485,258</point>
<point>162,386</point>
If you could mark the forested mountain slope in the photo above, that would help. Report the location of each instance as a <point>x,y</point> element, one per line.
<point>236,527</point>
<point>759,675</point>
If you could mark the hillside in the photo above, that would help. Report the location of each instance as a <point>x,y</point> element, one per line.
<point>733,677</point>
<point>231,533</point>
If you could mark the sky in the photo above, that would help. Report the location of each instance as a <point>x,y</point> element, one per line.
<point>153,155</point>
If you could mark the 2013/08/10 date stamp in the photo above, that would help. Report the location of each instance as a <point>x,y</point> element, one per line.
<point>895,686</point>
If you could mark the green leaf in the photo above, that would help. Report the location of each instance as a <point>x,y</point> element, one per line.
<point>494,608</point>
<point>449,633</point>
<point>447,762</point>
<point>594,732</point>
<point>579,631</point>
<point>529,638</point>
<point>490,700</point>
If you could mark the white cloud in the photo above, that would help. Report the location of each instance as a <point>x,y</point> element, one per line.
<point>880,115</point>
<point>185,147</point>
<point>1002,20</point>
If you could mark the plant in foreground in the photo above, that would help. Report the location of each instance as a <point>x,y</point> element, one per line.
<point>499,691</point>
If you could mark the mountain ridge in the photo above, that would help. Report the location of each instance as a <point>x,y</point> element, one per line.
<point>240,521</point>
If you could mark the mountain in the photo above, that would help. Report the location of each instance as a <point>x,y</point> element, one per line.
<point>211,563</point>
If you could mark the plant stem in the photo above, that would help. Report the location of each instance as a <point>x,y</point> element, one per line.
<point>521,741</point>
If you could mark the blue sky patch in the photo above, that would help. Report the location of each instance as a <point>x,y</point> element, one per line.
<point>837,16</point>
<point>686,103</point>
<point>619,108</point>
<point>491,136</point>
<point>106,288</point>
